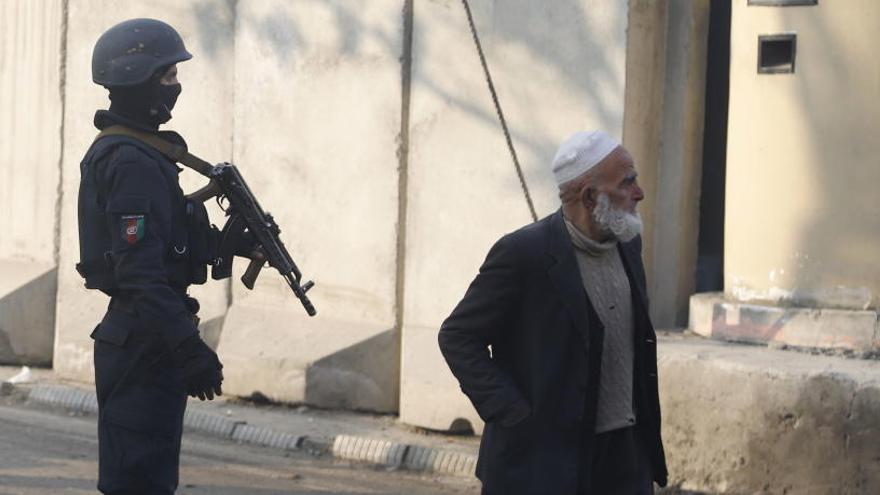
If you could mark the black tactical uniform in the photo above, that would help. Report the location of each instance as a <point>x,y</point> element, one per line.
<point>137,230</point>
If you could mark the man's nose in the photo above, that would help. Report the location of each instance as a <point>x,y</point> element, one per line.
<point>639,194</point>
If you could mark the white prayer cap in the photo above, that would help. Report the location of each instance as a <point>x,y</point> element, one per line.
<point>581,152</point>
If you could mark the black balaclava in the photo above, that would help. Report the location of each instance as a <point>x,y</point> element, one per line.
<point>149,103</point>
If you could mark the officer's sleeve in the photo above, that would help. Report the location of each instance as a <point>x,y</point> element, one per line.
<point>139,219</point>
<point>480,320</point>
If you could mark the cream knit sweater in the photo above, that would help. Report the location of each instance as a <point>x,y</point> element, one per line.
<point>607,286</point>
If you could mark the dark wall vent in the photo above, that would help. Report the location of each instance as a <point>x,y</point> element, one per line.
<point>776,53</point>
<point>782,3</point>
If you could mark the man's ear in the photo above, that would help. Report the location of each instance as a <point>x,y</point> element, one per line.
<point>588,197</point>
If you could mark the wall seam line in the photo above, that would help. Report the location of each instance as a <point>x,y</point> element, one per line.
<point>235,30</point>
<point>59,187</point>
<point>408,16</point>
<point>62,81</point>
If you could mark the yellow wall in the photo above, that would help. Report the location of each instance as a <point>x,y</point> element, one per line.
<point>803,163</point>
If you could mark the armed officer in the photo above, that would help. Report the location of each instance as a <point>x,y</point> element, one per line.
<point>142,243</point>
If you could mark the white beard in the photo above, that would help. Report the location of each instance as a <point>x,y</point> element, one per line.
<point>623,225</point>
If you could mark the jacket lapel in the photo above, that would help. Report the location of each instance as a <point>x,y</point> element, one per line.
<point>631,254</point>
<point>632,262</point>
<point>565,275</point>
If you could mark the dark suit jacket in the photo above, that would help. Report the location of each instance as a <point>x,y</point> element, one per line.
<point>537,386</point>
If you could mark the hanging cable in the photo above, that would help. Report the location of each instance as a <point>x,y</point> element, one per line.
<point>519,172</point>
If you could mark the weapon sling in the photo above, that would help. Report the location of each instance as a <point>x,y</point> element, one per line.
<point>176,152</point>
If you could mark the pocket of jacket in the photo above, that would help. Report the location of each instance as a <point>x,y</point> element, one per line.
<point>518,413</point>
<point>513,441</point>
<point>116,327</point>
<point>110,333</point>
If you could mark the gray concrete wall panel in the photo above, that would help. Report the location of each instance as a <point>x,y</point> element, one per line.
<point>557,70</point>
<point>31,35</point>
<point>267,352</point>
<point>31,38</point>
<point>676,209</point>
<point>663,129</point>
<point>317,118</point>
<point>203,115</point>
<point>646,52</point>
<point>27,313</point>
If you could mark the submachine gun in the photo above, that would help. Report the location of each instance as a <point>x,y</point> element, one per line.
<point>249,232</point>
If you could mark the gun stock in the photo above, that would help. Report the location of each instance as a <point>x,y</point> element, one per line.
<point>207,192</point>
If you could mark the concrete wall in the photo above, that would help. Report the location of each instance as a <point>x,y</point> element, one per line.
<point>676,207</point>
<point>206,28</point>
<point>663,129</point>
<point>557,71</point>
<point>31,38</point>
<point>741,419</point>
<point>317,118</point>
<point>303,96</point>
<point>643,105</point>
<point>316,111</point>
<point>27,316</point>
<point>713,315</point>
<point>802,226</point>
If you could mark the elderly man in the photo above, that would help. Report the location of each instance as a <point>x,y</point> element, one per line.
<point>553,345</point>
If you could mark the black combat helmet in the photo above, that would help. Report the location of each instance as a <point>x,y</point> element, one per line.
<point>130,52</point>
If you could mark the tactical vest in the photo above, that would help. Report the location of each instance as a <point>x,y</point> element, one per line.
<point>194,240</point>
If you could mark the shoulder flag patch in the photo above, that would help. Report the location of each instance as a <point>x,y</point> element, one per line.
<point>132,228</point>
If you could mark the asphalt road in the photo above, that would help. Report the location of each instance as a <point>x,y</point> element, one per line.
<point>55,453</point>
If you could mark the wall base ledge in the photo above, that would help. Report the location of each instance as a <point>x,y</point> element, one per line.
<point>285,356</point>
<point>716,316</point>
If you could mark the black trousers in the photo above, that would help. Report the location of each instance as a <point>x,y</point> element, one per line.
<point>141,402</point>
<point>619,465</point>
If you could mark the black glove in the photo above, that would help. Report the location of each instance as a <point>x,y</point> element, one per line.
<point>200,368</point>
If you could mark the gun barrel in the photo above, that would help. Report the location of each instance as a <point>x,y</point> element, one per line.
<point>300,293</point>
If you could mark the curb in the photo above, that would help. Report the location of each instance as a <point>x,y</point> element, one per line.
<point>394,455</point>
